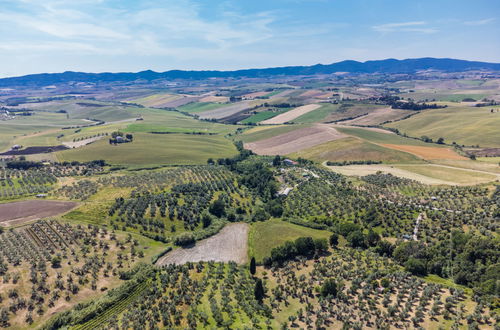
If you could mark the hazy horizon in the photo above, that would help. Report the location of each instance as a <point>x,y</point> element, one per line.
<point>130,36</point>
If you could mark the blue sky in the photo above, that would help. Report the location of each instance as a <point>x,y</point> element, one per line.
<point>125,35</point>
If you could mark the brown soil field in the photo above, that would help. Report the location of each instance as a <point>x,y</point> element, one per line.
<point>230,244</point>
<point>296,140</point>
<point>378,116</point>
<point>292,114</point>
<point>426,152</point>
<point>16,213</point>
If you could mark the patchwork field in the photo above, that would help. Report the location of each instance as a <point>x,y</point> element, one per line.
<point>157,100</point>
<point>378,116</point>
<point>292,114</point>
<point>227,111</point>
<point>427,152</point>
<point>464,125</point>
<point>155,150</point>
<point>317,115</point>
<point>353,149</point>
<point>197,107</point>
<point>294,141</point>
<point>266,132</point>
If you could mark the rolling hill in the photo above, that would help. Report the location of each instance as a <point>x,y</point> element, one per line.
<point>382,66</point>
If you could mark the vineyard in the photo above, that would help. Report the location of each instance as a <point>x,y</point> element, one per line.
<point>49,266</point>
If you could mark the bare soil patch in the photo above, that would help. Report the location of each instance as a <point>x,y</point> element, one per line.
<point>292,114</point>
<point>16,213</point>
<point>294,141</point>
<point>230,244</point>
<point>426,152</point>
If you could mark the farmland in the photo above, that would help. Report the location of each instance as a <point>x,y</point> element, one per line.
<point>292,114</point>
<point>154,150</point>
<point>323,202</point>
<point>463,125</point>
<point>294,141</point>
<point>29,210</point>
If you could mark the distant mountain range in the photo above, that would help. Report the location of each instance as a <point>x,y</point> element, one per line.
<point>380,66</point>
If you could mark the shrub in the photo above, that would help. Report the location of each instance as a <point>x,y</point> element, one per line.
<point>184,239</point>
<point>329,288</point>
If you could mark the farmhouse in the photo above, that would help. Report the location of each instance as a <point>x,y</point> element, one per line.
<point>290,162</point>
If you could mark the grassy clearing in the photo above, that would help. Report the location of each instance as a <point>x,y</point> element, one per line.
<point>458,176</point>
<point>380,137</point>
<point>473,165</point>
<point>155,150</point>
<point>317,115</point>
<point>350,149</point>
<point>491,160</point>
<point>264,236</point>
<point>464,125</point>
<point>427,152</point>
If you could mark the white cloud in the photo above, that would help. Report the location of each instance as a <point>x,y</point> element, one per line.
<point>480,22</point>
<point>417,26</point>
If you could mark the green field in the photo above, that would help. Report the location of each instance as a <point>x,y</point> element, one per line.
<point>11,130</point>
<point>262,133</point>
<point>455,175</point>
<point>350,149</point>
<point>464,125</point>
<point>317,115</point>
<point>201,107</point>
<point>155,150</point>
<point>384,138</point>
<point>264,236</point>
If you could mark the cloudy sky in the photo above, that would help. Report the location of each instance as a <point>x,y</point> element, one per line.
<point>133,35</point>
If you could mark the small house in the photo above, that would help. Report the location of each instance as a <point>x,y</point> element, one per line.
<point>289,162</point>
